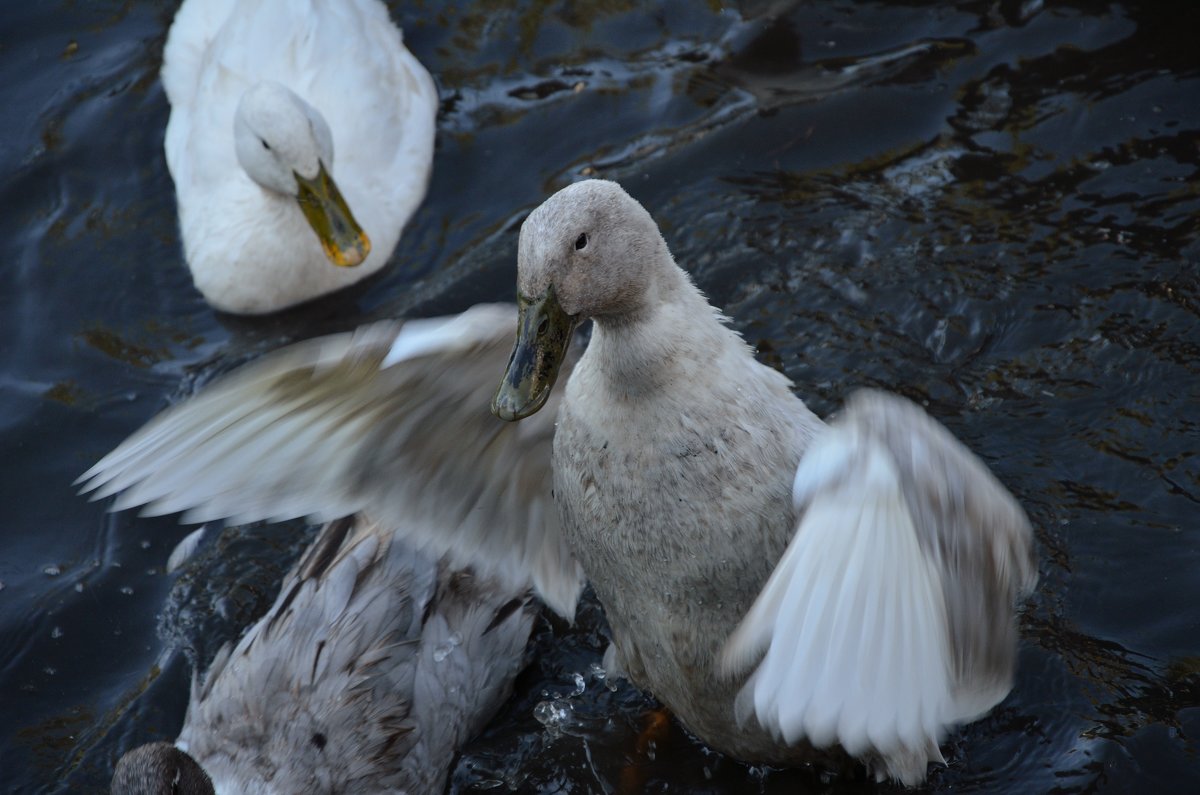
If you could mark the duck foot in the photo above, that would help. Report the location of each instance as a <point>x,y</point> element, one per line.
<point>656,724</point>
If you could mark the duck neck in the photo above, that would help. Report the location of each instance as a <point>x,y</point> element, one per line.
<point>667,339</point>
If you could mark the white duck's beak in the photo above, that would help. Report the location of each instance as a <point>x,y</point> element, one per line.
<point>342,239</point>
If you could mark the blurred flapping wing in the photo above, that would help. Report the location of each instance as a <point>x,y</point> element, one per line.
<point>391,420</point>
<point>889,617</point>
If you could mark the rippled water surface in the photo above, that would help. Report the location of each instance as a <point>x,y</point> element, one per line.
<point>990,207</point>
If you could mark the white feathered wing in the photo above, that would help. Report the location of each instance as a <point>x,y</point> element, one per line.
<point>889,618</point>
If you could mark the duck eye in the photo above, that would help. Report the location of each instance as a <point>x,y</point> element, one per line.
<point>266,145</point>
<point>581,241</point>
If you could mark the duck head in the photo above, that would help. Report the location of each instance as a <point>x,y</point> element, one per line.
<point>285,145</point>
<point>589,251</point>
<point>159,769</point>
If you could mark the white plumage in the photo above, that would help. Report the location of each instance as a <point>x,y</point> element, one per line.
<point>326,429</point>
<point>348,78</point>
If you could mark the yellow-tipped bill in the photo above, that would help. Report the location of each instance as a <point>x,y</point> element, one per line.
<point>543,335</point>
<point>344,241</point>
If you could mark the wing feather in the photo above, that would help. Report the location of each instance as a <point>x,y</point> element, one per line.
<point>889,618</point>
<point>391,420</point>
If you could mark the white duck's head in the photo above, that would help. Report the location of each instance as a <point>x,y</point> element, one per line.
<point>285,145</point>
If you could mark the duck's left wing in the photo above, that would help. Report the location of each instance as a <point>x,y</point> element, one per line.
<point>393,421</point>
<point>889,617</point>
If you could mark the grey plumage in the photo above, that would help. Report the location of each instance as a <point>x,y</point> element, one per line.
<point>373,667</point>
<point>159,769</point>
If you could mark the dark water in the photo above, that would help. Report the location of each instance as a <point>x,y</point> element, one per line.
<point>989,207</point>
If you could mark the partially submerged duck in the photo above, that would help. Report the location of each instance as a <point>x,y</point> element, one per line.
<point>263,94</point>
<point>372,668</point>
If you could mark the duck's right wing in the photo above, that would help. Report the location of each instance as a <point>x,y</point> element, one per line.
<point>392,421</point>
<point>889,618</point>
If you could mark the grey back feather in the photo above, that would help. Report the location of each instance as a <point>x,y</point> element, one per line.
<point>372,668</point>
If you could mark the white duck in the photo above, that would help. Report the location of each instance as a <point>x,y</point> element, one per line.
<point>263,94</point>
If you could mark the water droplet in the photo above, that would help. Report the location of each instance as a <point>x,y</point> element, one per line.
<point>78,587</point>
<point>56,633</point>
<point>579,686</point>
<point>50,670</point>
<point>125,589</point>
<point>553,715</point>
<point>448,645</point>
<point>145,544</point>
<point>52,571</point>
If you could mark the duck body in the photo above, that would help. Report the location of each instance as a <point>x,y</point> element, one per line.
<point>250,248</point>
<point>628,448</point>
<point>793,590</point>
